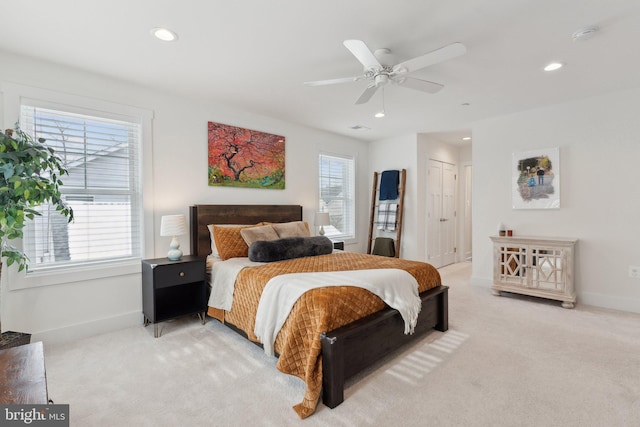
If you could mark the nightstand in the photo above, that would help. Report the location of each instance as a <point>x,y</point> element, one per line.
<point>173,288</point>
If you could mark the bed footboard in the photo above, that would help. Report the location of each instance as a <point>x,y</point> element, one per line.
<point>351,348</point>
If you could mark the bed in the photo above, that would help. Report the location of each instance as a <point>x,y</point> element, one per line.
<point>323,359</point>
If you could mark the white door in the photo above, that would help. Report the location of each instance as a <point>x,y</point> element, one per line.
<point>441,213</point>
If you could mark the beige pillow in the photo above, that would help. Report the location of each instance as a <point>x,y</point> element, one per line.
<point>263,232</point>
<point>291,229</point>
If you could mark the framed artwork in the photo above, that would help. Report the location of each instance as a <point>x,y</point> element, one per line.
<point>536,179</point>
<point>241,157</point>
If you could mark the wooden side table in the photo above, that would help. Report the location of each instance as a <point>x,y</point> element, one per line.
<point>536,266</point>
<point>23,379</point>
<point>173,288</point>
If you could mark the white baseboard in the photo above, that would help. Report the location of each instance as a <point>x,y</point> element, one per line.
<point>630,305</point>
<point>88,329</point>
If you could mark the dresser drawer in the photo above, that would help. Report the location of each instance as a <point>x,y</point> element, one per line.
<point>178,274</point>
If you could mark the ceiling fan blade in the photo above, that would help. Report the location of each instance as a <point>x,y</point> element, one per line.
<point>367,94</point>
<point>419,84</point>
<point>362,54</point>
<point>333,81</point>
<point>433,57</point>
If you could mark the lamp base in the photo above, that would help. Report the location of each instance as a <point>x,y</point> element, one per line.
<point>321,231</point>
<point>174,253</point>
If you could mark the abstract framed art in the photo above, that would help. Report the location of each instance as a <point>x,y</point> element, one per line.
<point>240,157</point>
<point>536,179</point>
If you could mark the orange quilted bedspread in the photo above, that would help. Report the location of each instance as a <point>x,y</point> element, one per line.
<point>317,311</point>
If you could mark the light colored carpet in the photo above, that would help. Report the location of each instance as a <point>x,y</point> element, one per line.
<point>505,361</point>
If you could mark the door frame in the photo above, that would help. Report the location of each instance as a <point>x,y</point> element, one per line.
<point>467,213</point>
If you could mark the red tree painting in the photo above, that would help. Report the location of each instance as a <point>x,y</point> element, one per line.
<point>245,158</point>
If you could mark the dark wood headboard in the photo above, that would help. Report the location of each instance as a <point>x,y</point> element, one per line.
<point>202,215</point>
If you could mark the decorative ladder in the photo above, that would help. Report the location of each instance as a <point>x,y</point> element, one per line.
<point>375,203</point>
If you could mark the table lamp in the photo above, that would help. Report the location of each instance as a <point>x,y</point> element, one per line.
<point>321,219</point>
<point>173,225</point>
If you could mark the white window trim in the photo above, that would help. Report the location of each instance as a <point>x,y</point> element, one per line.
<point>13,95</point>
<point>353,156</point>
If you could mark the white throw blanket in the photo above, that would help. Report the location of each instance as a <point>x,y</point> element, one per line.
<point>397,288</point>
<point>223,280</point>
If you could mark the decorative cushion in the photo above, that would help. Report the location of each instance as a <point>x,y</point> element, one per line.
<point>229,241</point>
<point>292,229</point>
<point>289,248</point>
<point>263,232</point>
<point>214,249</point>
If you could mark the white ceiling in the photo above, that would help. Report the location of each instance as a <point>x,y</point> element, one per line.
<point>256,54</point>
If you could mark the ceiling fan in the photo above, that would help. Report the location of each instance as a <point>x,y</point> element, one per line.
<point>380,74</point>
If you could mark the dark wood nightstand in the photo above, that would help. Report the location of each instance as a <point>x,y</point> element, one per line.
<point>338,244</point>
<point>173,288</point>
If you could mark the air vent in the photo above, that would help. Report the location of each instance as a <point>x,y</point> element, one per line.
<point>584,33</point>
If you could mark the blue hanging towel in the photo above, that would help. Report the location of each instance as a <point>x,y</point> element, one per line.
<point>389,185</point>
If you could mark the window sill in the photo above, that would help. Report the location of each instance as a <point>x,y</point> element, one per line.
<point>79,273</point>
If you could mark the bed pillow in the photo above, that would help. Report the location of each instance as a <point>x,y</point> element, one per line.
<point>289,248</point>
<point>214,248</point>
<point>229,241</point>
<point>292,229</point>
<point>253,234</point>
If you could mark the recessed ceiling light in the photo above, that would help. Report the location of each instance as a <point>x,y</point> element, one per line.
<point>379,115</point>
<point>164,34</point>
<point>553,66</point>
<point>466,138</point>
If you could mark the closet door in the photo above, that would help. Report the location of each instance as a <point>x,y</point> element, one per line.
<point>441,213</point>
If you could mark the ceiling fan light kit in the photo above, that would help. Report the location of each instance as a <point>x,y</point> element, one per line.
<point>380,114</point>
<point>379,74</point>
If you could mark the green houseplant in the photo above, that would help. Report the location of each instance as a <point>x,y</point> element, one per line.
<point>29,176</point>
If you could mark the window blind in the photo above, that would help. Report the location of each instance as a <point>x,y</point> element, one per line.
<point>103,188</point>
<point>337,184</point>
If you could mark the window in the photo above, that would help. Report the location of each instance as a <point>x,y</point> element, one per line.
<point>103,187</point>
<point>337,183</point>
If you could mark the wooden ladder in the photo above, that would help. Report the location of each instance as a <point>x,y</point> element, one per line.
<point>375,203</point>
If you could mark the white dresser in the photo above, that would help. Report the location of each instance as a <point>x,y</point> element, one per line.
<point>536,266</point>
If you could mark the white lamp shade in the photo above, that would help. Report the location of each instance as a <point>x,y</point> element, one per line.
<point>173,225</point>
<point>322,218</point>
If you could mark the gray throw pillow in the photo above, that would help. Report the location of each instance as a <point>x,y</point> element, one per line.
<point>289,248</point>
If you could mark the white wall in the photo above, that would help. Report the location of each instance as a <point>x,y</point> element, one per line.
<point>412,152</point>
<point>431,148</point>
<point>395,154</point>
<point>600,201</point>
<point>179,175</point>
